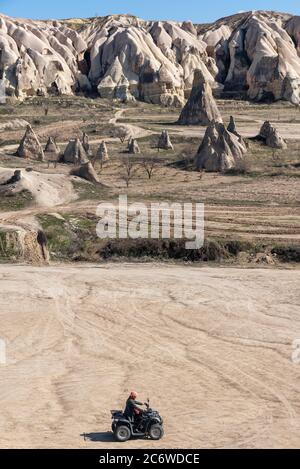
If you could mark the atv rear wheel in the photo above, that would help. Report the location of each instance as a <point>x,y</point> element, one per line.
<point>122,433</point>
<point>156,432</point>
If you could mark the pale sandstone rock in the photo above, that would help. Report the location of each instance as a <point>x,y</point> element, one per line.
<point>232,127</point>
<point>117,85</point>
<point>85,142</point>
<point>293,29</point>
<point>275,67</point>
<point>30,146</point>
<point>220,150</point>
<point>133,147</point>
<point>39,57</point>
<point>102,153</point>
<point>87,172</point>
<point>164,141</point>
<point>75,153</point>
<point>51,146</point>
<point>256,54</point>
<point>189,27</point>
<point>201,107</point>
<point>271,136</point>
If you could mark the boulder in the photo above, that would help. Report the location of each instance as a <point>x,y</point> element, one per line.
<point>16,177</point>
<point>201,107</point>
<point>220,149</point>
<point>30,146</point>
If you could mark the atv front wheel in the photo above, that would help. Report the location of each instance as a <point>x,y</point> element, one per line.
<point>156,432</point>
<point>122,433</point>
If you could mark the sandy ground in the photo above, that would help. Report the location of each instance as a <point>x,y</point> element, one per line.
<point>211,347</point>
<point>48,190</point>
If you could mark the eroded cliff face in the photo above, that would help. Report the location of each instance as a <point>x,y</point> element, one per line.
<point>38,58</point>
<point>123,57</point>
<point>153,61</point>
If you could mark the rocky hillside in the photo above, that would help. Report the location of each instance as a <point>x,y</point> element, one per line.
<point>255,54</point>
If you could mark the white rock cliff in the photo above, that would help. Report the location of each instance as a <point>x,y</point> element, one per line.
<point>122,57</point>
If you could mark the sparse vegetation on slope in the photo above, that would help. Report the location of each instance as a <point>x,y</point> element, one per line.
<point>17,201</point>
<point>73,237</point>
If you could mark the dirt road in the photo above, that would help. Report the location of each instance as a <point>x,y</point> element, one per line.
<point>211,347</point>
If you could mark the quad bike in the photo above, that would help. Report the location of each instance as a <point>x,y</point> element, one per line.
<point>148,424</point>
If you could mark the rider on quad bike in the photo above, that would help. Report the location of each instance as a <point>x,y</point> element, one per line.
<point>133,409</point>
<point>136,422</point>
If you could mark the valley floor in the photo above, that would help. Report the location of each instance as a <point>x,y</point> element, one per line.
<point>211,347</point>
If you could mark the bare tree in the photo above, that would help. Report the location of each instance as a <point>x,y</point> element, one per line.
<point>122,133</point>
<point>150,165</point>
<point>128,168</point>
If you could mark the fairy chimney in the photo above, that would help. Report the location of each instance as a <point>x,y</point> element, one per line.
<point>30,146</point>
<point>201,107</point>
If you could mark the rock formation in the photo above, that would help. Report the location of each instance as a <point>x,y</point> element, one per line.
<point>270,135</point>
<point>85,142</point>
<point>75,153</point>
<point>30,146</point>
<point>122,56</point>
<point>51,146</point>
<point>232,127</point>
<point>201,107</point>
<point>102,153</point>
<point>26,245</point>
<point>133,147</point>
<point>164,141</point>
<point>86,171</point>
<point>254,53</point>
<point>115,85</point>
<point>220,149</point>
<point>16,177</point>
<point>39,57</point>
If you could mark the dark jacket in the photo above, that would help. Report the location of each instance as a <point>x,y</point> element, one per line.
<point>132,408</point>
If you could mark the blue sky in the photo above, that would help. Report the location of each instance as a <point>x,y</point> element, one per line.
<point>194,10</point>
